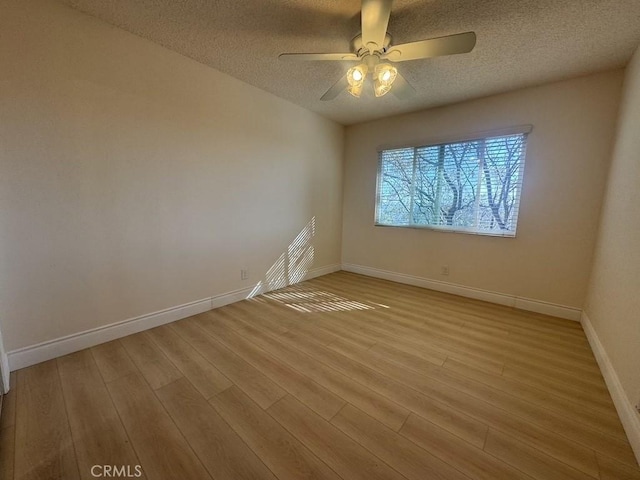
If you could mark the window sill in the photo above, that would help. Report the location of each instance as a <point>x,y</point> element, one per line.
<point>450,230</point>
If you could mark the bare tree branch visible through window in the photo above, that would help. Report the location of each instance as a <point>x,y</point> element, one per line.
<point>471,186</point>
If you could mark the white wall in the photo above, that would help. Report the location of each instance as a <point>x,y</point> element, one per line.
<point>613,302</point>
<point>133,179</point>
<point>566,167</point>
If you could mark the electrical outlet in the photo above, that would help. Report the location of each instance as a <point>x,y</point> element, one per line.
<point>244,274</point>
<point>444,270</point>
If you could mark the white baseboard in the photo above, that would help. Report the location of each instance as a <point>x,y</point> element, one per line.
<point>27,356</point>
<point>538,306</point>
<point>628,415</point>
<point>218,301</point>
<point>320,271</point>
<point>547,308</point>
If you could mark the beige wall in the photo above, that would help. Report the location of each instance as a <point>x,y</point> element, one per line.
<point>133,179</point>
<point>567,160</point>
<point>613,301</point>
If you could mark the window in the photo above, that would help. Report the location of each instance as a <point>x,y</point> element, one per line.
<point>468,186</point>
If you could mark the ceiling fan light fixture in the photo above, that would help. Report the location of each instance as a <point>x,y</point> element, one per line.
<point>357,74</point>
<point>379,89</point>
<point>355,90</point>
<point>384,76</point>
<point>355,77</point>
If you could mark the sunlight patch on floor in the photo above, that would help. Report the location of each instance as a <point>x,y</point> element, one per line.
<point>308,299</point>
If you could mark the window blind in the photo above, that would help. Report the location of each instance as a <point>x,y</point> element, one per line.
<point>468,186</point>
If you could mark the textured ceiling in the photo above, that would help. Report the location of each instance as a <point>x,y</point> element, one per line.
<point>520,43</point>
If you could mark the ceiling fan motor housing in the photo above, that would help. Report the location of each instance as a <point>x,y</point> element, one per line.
<point>361,50</point>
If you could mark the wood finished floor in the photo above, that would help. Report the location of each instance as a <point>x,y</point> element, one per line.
<point>342,376</point>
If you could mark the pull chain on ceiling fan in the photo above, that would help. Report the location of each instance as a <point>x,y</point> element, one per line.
<point>372,50</point>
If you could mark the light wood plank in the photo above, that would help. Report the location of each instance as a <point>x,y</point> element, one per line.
<point>432,353</point>
<point>98,435</point>
<point>473,431</point>
<point>162,450</point>
<point>560,382</point>
<point>345,456</point>
<point>612,470</point>
<point>571,426</point>
<point>113,360</point>
<point>44,448</point>
<point>261,389</point>
<point>8,416</point>
<point>574,425</point>
<point>465,426</point>
<point>378,406</point>
<point>529,460</point>
<point>330,325</point>
<point>403,455</point>
<point>399,323</point>
<point>221,315</point>
<point>471,312</point>
<point>326,335</point>
<point>156,368</point>
<point>241,311</point>
<point>405,357</point>
<point>563,449</point>
<point>7,452</point>
<point>279,450</point>
<point>472,323</point>
<point>474,462</point>
<point>600,418</point>
<point>202,374</point>
<point>318,398</point>
<point>423,345</point>
<point>452,302</point>
<point>220,449</point>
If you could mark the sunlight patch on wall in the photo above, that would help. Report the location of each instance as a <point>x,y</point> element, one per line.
<point>292,266</point>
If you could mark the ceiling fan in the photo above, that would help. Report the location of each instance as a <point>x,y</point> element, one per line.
<point>372,50</point>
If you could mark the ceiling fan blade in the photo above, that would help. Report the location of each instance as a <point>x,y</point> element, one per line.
<point>434,47</point>
<point>375,19</point>
<point>298,57</point>
<point>402,89</point>
<point>336,89</point>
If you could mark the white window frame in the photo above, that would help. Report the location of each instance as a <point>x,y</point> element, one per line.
<point>481,136</point>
